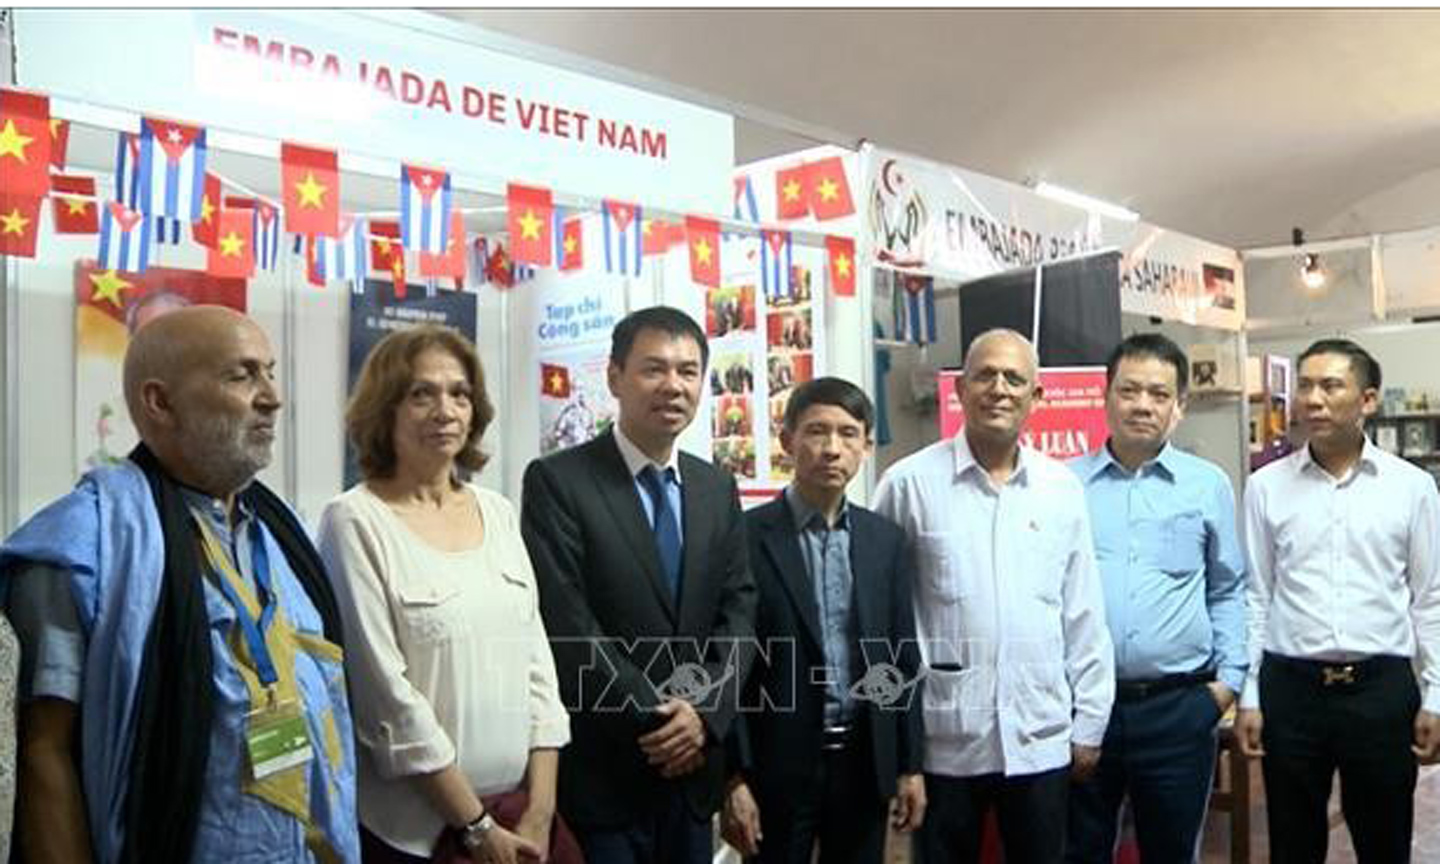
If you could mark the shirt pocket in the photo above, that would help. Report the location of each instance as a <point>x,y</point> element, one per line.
<point>1181,540</point>
<point>1042,703</point>
<point>935,553</point>
<point>429,611</point>
<point>519,595</point>
<point>1047,549</point>
<point>958,703</point>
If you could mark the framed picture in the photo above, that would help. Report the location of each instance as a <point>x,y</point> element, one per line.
<point>1418,438</point>
<point>1387,437</point>
<point>1277,376</point>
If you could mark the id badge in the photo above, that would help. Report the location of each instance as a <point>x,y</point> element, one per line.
<point>277,737</point>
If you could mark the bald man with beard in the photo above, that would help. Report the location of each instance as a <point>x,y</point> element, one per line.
<point>177,628</point>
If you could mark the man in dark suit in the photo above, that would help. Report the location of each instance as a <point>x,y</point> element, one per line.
<point>832,727</point>
<point>639,551</point>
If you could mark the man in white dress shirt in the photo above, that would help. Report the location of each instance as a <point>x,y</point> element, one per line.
<point>1010,617</point>
<point>1344,602</point>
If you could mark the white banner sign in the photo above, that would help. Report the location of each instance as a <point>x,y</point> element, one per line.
<point>925,217</point>
<point>392,85</point>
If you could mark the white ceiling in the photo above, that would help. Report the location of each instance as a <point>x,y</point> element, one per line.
<point>1232,125</point>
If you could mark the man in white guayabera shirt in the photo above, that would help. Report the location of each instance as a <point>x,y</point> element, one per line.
<point>1010,615</point>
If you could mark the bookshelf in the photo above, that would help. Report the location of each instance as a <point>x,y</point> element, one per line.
<point>1411,435</point>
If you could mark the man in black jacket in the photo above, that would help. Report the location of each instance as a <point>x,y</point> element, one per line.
<point>833,727</point>
<point>639,551</point>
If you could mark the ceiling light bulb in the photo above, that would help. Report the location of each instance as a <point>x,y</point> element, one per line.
<point>1310,272</point>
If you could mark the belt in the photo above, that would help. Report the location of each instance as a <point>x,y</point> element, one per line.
<point>1135,690</point>
<point>834,738</point>
<point>1333,673</point>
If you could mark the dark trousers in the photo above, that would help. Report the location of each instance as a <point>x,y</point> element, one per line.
<point>1160,749</point>
<point>1030,810</point>
<point>1364,730</point>
<point>840,810</point>
<point>669,834</point>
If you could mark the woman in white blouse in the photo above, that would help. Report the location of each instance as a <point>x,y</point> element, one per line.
<point>452,684</point>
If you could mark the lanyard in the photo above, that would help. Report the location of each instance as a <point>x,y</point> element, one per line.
<point>230,578</point>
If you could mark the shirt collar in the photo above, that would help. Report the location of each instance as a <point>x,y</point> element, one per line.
<point>1104,460</point>
<point>636,460</point>
<point>802,512</point>
<point>965,461</point>
<point>214,508</point>
<point>1369,459</point>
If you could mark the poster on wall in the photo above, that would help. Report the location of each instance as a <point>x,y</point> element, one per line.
<point>378,311</point>
<point>732,330</point>
<point>575,318</point>
<point>789,360</point>
<point>764,341</point>
<point>1068,422</point>
<point>109,307</point>
<point>575,400</point>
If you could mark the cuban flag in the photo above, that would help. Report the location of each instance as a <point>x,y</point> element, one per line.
<point>343,257</point>
<point>127,169</point>
<point>124,239</point>
<point>621,223</point>
<point>172,174</point>
<point>775,263</point>
<point>746,207</point>
<point>266,232</point>
<point>915,309</point>
<point>424,209</point>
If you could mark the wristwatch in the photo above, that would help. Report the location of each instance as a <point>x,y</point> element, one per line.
<point>473,834</point>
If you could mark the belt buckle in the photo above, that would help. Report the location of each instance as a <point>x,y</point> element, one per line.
<point>1338,674</point>
<point>835,737</point>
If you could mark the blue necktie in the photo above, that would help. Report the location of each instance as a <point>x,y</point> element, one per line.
<point>667,528</point>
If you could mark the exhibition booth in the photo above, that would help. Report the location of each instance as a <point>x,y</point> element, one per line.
<point>340,174</point>
<point>824,261</point>
<point>528,205</point>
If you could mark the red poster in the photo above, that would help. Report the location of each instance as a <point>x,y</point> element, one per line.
<point>1069,421</point>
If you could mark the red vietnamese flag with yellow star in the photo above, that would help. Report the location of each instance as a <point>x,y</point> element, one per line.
<point>841,253</point>
<point>703,236</point>
<point>384,243</point>
<point>529,220</point>
<point>658,235</point>
<point>19,225</point>
<point>206,229</point>
<point>828,188</point>
<point>74,215</point>
<point>234,252</point>
<point>311,180</point>
<point>554,381</point>
<point>572,246</point>
<point>792,200</point>
<point>59,142</point>
<point>24,144</point>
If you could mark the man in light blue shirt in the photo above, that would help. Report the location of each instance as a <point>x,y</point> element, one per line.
<point>1164,527</point>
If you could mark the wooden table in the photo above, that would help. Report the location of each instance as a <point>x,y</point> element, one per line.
<point>1233,795</point>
